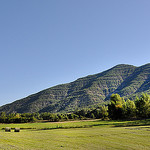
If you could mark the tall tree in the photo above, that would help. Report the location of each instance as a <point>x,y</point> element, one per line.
<point>143,106</point>
<point>130,109</point>
<point>117,106</point>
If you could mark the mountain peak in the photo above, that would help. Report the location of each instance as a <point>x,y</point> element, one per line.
<point>123,65</point>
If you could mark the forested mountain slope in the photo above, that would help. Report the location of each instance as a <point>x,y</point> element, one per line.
<point>126,80</point>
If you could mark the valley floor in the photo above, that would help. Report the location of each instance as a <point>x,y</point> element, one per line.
<point>83,135</point>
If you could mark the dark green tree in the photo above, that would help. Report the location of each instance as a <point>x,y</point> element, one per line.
<point>104,112</point>
<point>143,106</point>
<point>130,109</point>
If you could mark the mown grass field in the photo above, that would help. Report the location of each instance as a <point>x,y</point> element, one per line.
<point>82,135</point>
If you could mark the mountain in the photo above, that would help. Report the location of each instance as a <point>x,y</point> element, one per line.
<point>126,80</point>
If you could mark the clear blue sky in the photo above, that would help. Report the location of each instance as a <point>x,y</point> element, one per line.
<point>48,42</point>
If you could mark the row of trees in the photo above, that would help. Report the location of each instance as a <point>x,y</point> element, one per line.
<point>17,118</point>
<point>33,117</point>
<point>99,112</point>
<point>121,109</point>
<point>118,108</point>
<point>94,113</point>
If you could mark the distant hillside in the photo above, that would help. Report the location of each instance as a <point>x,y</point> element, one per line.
<point>126,80</point>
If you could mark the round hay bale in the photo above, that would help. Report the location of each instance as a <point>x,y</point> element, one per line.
<point>17,130</point>
<point>7,129</point>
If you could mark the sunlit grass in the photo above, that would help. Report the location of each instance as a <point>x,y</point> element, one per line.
<point>89,135</point>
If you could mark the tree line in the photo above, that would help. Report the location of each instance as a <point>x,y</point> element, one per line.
<point>121,109</point>
<point>118,108</point>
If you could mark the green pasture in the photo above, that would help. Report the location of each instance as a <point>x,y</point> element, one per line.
<point>81,135</point>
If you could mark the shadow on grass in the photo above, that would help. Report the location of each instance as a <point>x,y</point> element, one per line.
<point>74,127</point>
<point>98,123</point>
<point>134,123</point>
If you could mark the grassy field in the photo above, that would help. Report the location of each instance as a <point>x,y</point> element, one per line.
<point>82,135</point>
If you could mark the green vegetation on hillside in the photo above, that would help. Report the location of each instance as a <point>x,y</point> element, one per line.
<point>126,80</point>
<point>118,108</point>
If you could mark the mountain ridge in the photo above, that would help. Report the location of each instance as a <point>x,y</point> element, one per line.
<point>126,80</point>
